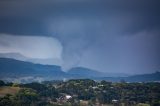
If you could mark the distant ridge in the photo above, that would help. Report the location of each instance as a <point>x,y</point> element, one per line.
<point>84,72</point>
<point>18,56</point>
<point>13,70</point>
<point>135,78</point>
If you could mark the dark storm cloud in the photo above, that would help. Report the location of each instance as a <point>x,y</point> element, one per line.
<point>30,15</point>
<point>103,35</point>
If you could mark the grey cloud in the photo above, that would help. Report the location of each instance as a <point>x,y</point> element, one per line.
<point>75,38</point>
<point>31,46</point>
<point>98,34</point>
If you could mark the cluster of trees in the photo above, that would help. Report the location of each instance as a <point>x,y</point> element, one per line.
<point>1,83</point>
<point>25,97</point>
<point>104,92</point>
<point>31,94</point>
<point>48,93</point>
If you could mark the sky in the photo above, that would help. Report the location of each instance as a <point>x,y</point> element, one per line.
<point>118,36</point>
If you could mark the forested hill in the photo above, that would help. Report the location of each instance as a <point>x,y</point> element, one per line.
<point>16,69</point>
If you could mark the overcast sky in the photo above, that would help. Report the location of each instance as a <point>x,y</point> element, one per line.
<point>105,35</point>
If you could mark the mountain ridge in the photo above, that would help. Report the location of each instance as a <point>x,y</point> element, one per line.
<point>18,56</point>
<point>16,69</point>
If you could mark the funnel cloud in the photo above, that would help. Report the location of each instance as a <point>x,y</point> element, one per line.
<point>108,36</point>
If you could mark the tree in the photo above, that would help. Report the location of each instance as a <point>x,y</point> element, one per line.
<point>27,97</point>
<point>2,83</point>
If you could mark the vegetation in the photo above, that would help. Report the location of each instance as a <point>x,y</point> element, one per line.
<point>80,92</point>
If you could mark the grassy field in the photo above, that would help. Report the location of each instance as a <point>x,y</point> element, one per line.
<point>8,90</point>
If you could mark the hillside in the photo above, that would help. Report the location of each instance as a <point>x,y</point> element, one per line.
<point>18,56</point>
<point>16,69</point>
<point>8,90</point>
<point>90,73</point>
<point>135,78</point>
<point>84,72</point>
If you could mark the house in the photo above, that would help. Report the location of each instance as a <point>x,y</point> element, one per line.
<point>94,87</point>
<point>67,97</point>
<point>64,98</point>
<point>115,101</point>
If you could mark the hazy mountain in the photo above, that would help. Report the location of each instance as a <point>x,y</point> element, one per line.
<point>18,56</point>
<point>86,72</point>
<point>13,70</point>
<point>16,69</point>
<point>144,77</point>
<point>135,78</point>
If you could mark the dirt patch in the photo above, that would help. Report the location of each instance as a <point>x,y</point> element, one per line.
<point>8,90</point>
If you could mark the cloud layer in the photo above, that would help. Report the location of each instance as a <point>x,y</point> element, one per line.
<point>31,46</point>
<point>111,36</point>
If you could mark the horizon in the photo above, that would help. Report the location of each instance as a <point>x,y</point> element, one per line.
<point>107,36</point>
<point>80,67</point>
